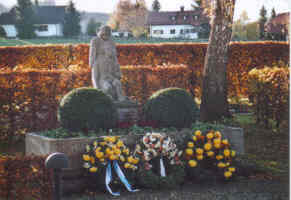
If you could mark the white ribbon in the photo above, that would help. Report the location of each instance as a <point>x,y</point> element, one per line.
<point>162,167</point>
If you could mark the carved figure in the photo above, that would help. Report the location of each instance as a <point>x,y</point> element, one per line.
<point>103,61</point>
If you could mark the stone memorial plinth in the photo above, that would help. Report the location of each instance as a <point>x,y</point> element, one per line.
<point>127,111</point>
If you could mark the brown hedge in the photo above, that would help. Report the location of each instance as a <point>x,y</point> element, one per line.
<point>24,177</point>
<point>269,92</point>
<point>243,57</point>
<point>29,99</point>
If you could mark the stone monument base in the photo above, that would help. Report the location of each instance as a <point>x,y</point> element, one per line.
<point>127,111</point>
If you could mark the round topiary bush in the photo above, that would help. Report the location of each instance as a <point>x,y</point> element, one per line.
<point>86,109</point>
<point>171,107</point>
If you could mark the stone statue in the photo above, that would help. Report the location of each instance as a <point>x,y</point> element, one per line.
<point>106,72</point>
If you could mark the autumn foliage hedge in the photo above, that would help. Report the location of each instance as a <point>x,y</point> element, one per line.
<point>243,57</point>
<point>33,79</point>
<point>29,98</point>
<point>24,177</point>
<point>269,91</point>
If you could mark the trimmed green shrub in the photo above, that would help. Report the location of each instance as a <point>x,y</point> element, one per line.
<point>171,107</point>
<point>86,109</point>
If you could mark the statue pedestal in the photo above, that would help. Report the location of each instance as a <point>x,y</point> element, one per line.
<point>127,111</point>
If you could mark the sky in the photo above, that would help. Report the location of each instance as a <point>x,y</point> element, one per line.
<point>107,6</point>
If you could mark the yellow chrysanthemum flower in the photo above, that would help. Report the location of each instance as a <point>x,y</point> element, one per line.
<point>126,165</point>
<point>227,174</point>
<point>122,159</point>
<point>225,142</point>
<point>92,159</point>
<point>207,146</point>
<point>119,143</point>
<point>109,152</point>
<point>198,133</point>
<point>219,157</point>
<point>199,151</point>
<point>217,141</point>
<point>233,153</point>
<point>190,144</point>
<point>189,152</point>
<point>93,169</point>
<point>221,165</point>
<point>226,152</point>
<point>113,157</point>
<point>112,139</point>
<point>135,161</point>
<point>217,134</point>
<point>99,154</point>
<point>217,146</point>
<point>130,159</point>
<point>192,163</point>
<point>209,136</point>
<point>231,169</point>
<point>199,157</point>
<point>126,151</point>
<point>86,157</point>
<point>194,138</point>
<point>117,152</point>
<point>102,160</point>
<point>210,153</point>
<point>106,139</point>
<point>103,143</point>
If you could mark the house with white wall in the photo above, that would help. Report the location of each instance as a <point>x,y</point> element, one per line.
<point>48,24</point>
<point>177,24</point>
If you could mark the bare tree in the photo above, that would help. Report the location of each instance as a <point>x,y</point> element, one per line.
<point>130,16</point>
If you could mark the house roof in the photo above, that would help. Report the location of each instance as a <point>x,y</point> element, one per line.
<point>278,23</point>
<point>50,14</point>
<point>44,15</point>
<point>181,17</point>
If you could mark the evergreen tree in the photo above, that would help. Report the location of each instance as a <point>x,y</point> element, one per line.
<point>36,3</point>
<point>262,21</point>
<point>156,6</point>
<point>71,23</point>
<point>92,27</point>
<point>197,5</point>
<point>25,19</point>
<point>273,15</point>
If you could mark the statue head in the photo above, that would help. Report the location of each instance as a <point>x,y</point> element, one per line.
<point>104,32</point>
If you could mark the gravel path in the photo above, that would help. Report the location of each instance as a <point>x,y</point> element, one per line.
<point>248,189</point>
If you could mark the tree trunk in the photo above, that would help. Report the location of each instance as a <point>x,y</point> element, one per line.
<point>214,104</point>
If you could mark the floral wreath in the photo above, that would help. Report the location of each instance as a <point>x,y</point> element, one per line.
<point>159,146</point>
<point>106,152</point>
<point>212,150</point>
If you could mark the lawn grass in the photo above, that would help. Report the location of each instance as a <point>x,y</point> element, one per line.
<point>268,148</point>
<point>86,40</point>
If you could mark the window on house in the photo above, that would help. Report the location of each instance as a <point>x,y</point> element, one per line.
<point>173,18</point>
<point>187,30</point>
<point>185,17</point>
<point>172,31</point>
<point>195,17</point>
<point>158,32</point>
<point>42,28</point>
<point>181,31</point>
<point>192,30</point>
